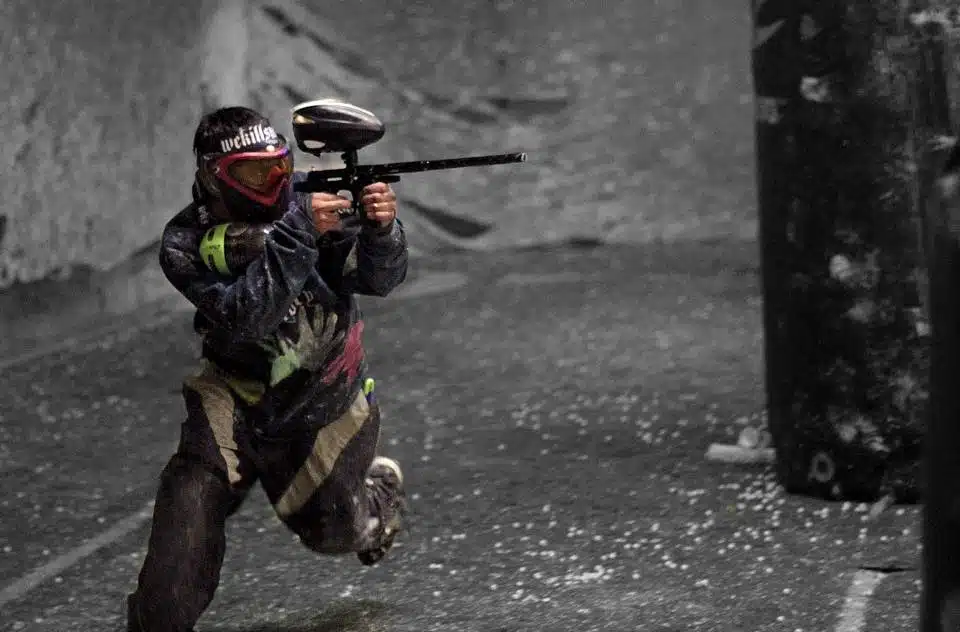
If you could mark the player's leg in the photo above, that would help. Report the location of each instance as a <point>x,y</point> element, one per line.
<point>204,482</point>
<point>340,496</point>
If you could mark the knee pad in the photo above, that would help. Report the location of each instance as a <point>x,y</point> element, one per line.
<point>323,538</point>
<point>181,466</point>
<point>187,475</point>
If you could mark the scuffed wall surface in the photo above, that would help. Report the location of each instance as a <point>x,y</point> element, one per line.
<point>637,116</point>
<point>97,111</point>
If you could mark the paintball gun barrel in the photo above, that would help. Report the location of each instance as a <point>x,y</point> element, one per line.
<point>328,125</point>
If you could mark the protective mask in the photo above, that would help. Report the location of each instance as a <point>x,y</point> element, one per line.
<point>254,182</point>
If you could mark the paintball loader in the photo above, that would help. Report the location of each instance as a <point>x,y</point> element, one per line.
<point>328,126</point>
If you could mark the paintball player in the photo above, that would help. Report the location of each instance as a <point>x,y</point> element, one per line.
<point>283,396</point>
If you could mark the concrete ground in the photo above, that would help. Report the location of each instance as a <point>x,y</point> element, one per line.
<point>551,408</point>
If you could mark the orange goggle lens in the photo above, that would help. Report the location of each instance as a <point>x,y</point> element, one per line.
<point>260,174</point>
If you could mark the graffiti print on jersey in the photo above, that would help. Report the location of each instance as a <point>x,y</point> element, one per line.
<point>310,339</point>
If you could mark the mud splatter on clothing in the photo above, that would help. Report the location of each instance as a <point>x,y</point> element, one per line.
<point>288,329</point>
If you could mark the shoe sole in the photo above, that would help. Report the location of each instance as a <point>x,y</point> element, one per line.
<point>390,464</point>
<point>370,558</point>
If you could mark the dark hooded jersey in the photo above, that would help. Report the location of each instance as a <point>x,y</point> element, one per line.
<point>287,331</point>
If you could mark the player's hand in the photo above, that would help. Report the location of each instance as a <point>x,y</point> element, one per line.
<point>379,203</point>
<point>326,209</point>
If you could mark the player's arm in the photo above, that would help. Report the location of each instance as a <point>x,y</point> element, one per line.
<point>255,301</point>
<point>382,259</point>
<point>382,254</point>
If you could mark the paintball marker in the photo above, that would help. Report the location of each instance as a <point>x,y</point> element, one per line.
<point>329,125</point>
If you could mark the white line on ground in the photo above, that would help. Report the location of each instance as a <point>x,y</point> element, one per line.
<point>57,565</point>
<point>853,614</point>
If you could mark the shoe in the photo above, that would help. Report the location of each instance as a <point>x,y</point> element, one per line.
<point>384,467</point>
<point>385,478</point>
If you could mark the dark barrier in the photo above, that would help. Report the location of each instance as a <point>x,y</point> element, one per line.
<point>845,118</point>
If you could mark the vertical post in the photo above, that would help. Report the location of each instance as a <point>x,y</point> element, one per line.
<point>940,602</point>
<point>941,512</point>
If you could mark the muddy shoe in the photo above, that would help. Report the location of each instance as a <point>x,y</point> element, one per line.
<point>385,478</point>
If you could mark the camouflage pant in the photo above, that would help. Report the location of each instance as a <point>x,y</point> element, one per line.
<point>314,483</point>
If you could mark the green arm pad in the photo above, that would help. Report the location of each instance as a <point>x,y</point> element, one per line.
<point>213,249</point>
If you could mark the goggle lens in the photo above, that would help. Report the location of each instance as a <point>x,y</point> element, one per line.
<point>259,173</point>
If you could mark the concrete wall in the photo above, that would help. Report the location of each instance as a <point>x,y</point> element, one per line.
<point>97,113</point>
<point>637,115</point>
